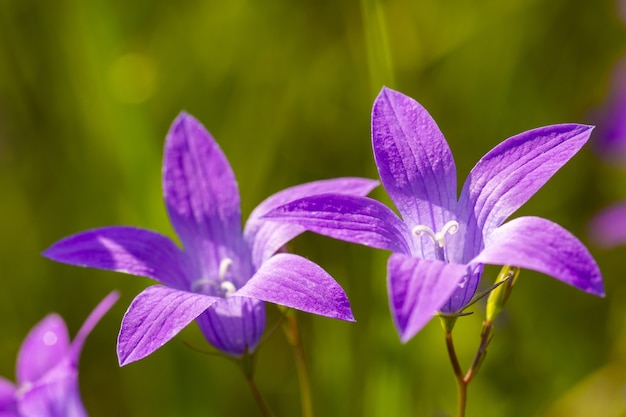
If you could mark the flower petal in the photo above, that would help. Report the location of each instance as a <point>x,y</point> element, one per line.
<point>57,396</point>
<point>414,161</point>
<point>543,246</point>
<point>508,175</point>
<point>7,399</point>
<point>265,238</point>
<point>610,138</point>
<point>125,249</point>
<point>92,320</point>
<point>155,316</point>
<point>418,288</point>
<point>608,228</point>
<point>201,194</point>
<point>234,325</point>
<point>295,282</point>
<point>45,346</point>
<point>353,219</point>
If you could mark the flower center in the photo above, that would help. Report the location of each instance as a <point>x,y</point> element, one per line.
<point>223,287</point>
<point>438,238</point>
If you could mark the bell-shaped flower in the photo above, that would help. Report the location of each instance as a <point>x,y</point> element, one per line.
<point>47,369</point>
<point>610,117</point>
<point>608,228</point>
<point>439,242</point>
<point>223,275</point>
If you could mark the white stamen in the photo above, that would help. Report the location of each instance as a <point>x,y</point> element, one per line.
<point>221,286</point>
<point>438,238</point>
<point>228,288</point>
<point>225,265</point>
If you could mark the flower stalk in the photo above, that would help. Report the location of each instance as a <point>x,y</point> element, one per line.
<point>261,403</point>
<point>498,295</point>
<point>463,379</point>
<point>247,365</point>
<point>292,332</point>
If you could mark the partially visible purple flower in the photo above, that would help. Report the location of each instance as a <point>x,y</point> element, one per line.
<point>222,277</point>
<point>621,10</point>
<point>440,243</point>
<point>610,117</point>
<point>47,369</point>
<point>608,228</point>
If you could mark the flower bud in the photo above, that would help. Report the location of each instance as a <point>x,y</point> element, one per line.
<point>497,298</point>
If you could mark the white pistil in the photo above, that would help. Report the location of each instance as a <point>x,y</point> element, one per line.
<point>227,288</point>
<point>438,238</point>
<point>224,287</point>
<point>225,265</point>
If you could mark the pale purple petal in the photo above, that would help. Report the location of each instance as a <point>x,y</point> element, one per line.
<point>543,246</point>
<point>266,238</point>
<point>507,176</point>
<point>608,228</point>
<point>610,137</point>
<point>418,289</point>
<point>56,396</point>
<point>7,399</point>
<point>201,194</point>
<point>92,320</point>
<point>46,345</point>
<point>234,325</point>
<point>465,291</point>
<point>48,367</point>
<point>126,249</point>
<point>413,159</point>
<point>353,219</point>
<point>296,282</point>
<point>155,316</point>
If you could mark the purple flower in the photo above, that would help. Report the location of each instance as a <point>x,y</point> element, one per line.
<point>440,242</point>
<point>222,276</point>
<point>608,228</point>
<point>47,369</point>
<point>610,138</point>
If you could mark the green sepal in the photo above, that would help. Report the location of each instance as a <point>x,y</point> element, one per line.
<point>497,298</point>
<point>447,322</point>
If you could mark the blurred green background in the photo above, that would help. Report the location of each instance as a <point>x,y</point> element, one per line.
<point>87,93</point>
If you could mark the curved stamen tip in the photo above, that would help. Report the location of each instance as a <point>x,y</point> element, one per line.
<point>438,238</point>
<point>228,288</point>
<point>225,265</point>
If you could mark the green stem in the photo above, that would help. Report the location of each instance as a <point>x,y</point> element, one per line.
<point>265,410</point>
<point>461,384</point>
<point>485,338</point>
<point>247,365</point>
<point>292,332</point>
<point>462,381</point>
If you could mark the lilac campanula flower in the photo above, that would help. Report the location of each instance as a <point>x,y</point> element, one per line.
<point>608,228</point>
<point>47,369</point>
<point>222,276</point>
<point>610,117</point>
<point>440,243</point>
